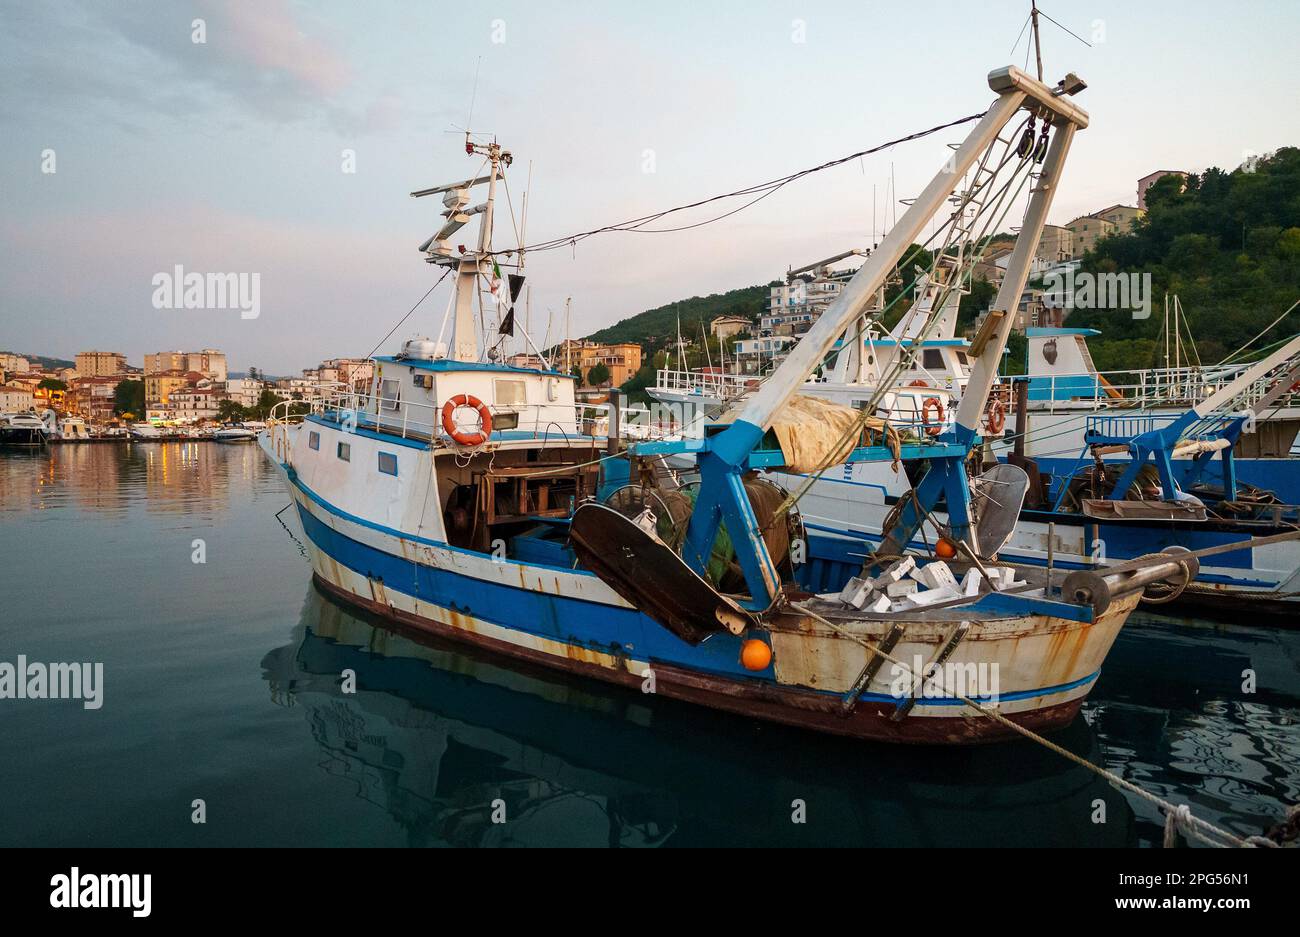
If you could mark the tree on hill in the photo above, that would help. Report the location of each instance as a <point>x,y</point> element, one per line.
<point>1227,243</point>
<point>598,375</point>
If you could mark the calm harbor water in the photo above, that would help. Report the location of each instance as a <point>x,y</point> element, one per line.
<point>221,683</point>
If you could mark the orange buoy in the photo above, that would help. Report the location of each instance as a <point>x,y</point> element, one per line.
<point>945,549</point>
<point>755,655</point>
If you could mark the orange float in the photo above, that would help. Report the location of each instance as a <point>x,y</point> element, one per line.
<point>755,655</point>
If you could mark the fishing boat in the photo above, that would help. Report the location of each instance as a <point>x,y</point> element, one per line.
<point>1065,393</point>
<point>437,733</point>
<point>1120,500</point>
<point>461,496</point>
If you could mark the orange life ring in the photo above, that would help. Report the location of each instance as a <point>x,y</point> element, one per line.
<point>935,428</point>
<point>995,418</point>
<point>918,384</point>
<point>449,423</point>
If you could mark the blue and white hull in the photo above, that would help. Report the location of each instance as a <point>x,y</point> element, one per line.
<point>552,614</point>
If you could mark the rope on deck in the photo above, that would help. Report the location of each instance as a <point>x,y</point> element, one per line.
<point>1178,817</point>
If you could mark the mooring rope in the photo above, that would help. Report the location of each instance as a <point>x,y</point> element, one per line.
<point>301,546</point>
<point>1178,817</point>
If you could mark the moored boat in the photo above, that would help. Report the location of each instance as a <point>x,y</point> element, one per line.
<point>234,433</point>
<point>22,431</point>
<point>461,496</point>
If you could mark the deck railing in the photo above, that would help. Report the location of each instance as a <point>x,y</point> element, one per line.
<point>723,386</point>
<point>410,419</point>
<point>1154,387</point>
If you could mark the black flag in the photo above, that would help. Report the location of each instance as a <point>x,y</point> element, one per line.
<point>508,323</point>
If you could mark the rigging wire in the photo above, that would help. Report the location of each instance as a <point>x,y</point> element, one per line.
<point>761,190</point>
<point>408,313</point>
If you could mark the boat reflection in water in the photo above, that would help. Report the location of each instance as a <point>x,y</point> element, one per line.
<point>442,738</point>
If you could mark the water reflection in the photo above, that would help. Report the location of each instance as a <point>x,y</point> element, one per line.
<point>108,478</point>
<point>1204,713</point>
<point>436,736</point>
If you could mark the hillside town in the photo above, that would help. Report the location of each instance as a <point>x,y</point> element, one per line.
<point>102,394</point>
<point>798,300</point>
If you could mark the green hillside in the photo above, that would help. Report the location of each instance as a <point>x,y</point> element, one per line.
<point>658,326</point>
<point>1228,245</point>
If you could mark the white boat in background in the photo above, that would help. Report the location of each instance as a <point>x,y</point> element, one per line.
<point>1066,393</point>
<point>23,431</point>
<point>235,433</point>
<point>73,429</point>
<point>147,432</point>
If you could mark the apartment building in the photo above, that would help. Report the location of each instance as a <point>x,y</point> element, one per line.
<point>159,387</point>
<point>209,362</point>
<point>622,359</point>
<point>244,391</point>
<point>193,404</point>
<point>93,398</point>
<point>100,363</point>
<point>724,327</point>
<point>15,398</point>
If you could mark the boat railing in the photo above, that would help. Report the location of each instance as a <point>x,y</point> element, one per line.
<point>705,384</point>
<point>545,421</point>
<point>1154,387</point>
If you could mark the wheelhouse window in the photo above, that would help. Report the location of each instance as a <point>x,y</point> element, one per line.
<point>933,359</point>
<point>388,463</point>
<point>390,395</point>
<point>510,393</point>
<point>313,440</point>
<point>345,451</point>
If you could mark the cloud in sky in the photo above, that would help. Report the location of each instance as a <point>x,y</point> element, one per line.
<point>268,59</point>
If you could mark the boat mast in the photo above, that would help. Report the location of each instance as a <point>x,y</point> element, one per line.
<point>469,265</point>
<point>1038,49</point>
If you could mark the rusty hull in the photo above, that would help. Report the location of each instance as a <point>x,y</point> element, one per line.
<point>756,698</point>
